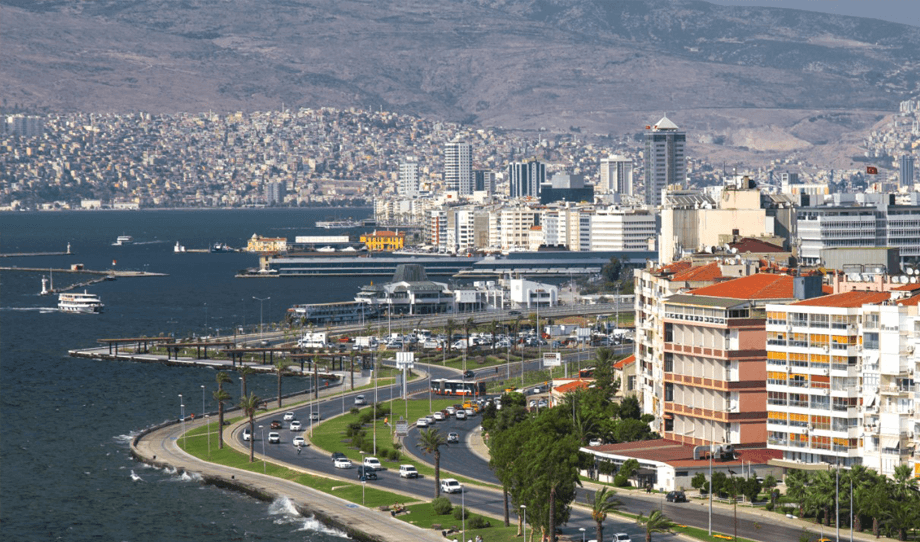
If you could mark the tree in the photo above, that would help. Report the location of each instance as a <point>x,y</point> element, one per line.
<point>603,504</point>
<point>797,487</point>
<point>876,503</point>
<point>901,515</point>
<point>750,488</point>
<point>769,483</point>
<point>629,409</point>
<point>819,496</point>
<point>449,326</point>
<point>280,366</point>
<point>699,481</point>
<point>468,324</point>
<point>221,397</point>
<point>656,522</point>
<point>249,405</point>
<point>430,441</point>
<point>245,371</point>
<point>612,270</point>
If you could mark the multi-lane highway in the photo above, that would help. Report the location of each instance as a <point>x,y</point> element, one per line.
<point>458,458</point>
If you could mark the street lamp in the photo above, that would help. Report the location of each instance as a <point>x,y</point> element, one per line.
<point>524,512</point>
<point>463,510</point>
<point>208,418</point>
<point>242,394</point>
<point>202,399</point>
<point>582,529</point>
<point>260,300</point>
<point>182,414</point>
<point>262,428</point>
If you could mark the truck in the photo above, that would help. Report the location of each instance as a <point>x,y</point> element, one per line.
<point>366,342</point>
<point>312,340</point>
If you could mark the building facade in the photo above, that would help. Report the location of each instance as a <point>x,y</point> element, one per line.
<point>616,175</point>
<point>458,167</point>
<point>525,178</point>
<point>665,159</point>
<point>408,177</point>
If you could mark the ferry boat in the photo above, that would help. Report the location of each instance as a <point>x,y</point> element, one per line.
<point>77,302</point>
<point>123,240</point>
<point>221,247</point>
<point>178,248</point>
<point>332,313</point>
<point>337,224</point>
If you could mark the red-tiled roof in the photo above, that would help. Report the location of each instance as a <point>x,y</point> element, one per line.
<point>572,386</point>
<point>675,267</point>
<point>910,287</point>
<point>681,455</point>
<point>755,245</point>
<point>856,298</point>
<point>709,271</point>
<point>910,301</point>
<point>757,286</point>
<point>624,362</point>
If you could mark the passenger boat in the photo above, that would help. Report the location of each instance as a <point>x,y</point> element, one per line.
<point>178,248</point>
<point>123,240</point>
<point>77,302</point>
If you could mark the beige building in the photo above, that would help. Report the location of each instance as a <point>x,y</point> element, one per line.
<point>266,244</point>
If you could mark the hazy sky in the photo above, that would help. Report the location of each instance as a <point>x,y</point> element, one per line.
<point>899,11</point>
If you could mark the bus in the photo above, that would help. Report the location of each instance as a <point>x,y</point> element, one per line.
<point>444,386</point>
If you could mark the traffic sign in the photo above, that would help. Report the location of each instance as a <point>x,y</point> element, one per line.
<point>405,360</point>
<point>402,427</point>
<point>552,359</point>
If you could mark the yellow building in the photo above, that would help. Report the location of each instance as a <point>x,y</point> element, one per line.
<point>384,240</point>
<point>266,244</point>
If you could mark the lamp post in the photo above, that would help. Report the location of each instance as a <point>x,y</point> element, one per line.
<point>374,408</point>
<point>202,399</point>
<point>182,414</point>
<point>710,480</point>
<point>524,520</point>
<point>463,511</point>
<point>262,429</point>
<point>241,384</point>
<point>208,418</point>
<point>582,529</point>
<point>261,327</point>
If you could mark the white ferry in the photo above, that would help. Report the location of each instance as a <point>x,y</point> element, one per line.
<point>123,240</point>
<point>178,248</point>
<point>78,302</point>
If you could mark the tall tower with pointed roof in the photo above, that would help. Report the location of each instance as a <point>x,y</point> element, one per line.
<point>665,159</point>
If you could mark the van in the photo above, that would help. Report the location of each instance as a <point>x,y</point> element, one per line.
<point>407,471</point>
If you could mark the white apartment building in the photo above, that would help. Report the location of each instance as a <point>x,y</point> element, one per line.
<point>460,230</point>
<point>408,177</point>
<point>436,229</point>
<point>509,227</point>
<point>622,229</point>
<point>616,175</point>
<point>841,380</point>
<point>458,167</point>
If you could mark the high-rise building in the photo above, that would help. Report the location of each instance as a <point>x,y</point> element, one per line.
<point>458,167</point>
<point>665,159</point>
<point>907,170</point>
<point>275,192</point>
<point>408,177</point>
<point>616,175</point>
<point>525,178</point>
<point>484,181</point>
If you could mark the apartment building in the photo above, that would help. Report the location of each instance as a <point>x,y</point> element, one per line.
<point>841,381</point>
<point>509,227</point>
<point>623,229</point>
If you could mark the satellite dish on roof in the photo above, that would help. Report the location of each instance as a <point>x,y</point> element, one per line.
<point>910,270</point>
<point>914,279</point>
<point>903,279</point>
<point>854,277</point>
<point>866,277</point>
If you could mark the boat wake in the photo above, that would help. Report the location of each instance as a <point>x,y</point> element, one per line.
<point>135,477</point>
<point>43,310</point>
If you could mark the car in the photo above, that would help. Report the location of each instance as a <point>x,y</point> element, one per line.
<point>449,485</point>
<point>676,496</point>
<point>470,412</point>
<point>532,403</point>
<point>247,435</point>
<point>460,415</point>
<point>514,313</point>
<point>621,537</point>
<point>299,442</point>
<point>338,455</point>
<point>372,463</point>
<point>453,437</point>
<point>595,442</point>
<point>469,374</point>
<point>360,400</point>
<point>275,425</point>
<point>342,463</point>
<point>366,473</point>
<point>314,416</point>
<point>438,416</point>
<point>274,438</point>
<point>541,403</point>
<point>422,422</point>
<point>407,471</point>
<point>430,419</point>
<point>451,410</point>
<point>288,416</point>
<point>295,426</point>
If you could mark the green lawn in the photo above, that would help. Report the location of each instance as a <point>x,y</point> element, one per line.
<point>422,515</point>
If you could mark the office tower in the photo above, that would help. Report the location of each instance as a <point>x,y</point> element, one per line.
<point>275,192</point>
<point>525,178</point>
<point>408,177</point>
<point>458,167</point>
<point>907,170</point>
<point>616,175</point>
<point>665,159</point>
<point>484,181</point>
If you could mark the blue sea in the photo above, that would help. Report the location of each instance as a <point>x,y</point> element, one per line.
<point>66,423</point>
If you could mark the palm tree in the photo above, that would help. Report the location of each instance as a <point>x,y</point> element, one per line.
<point>876,501</point>
<point>467,324</point>
<point>249,405</point>
<point>797,487</point>
<point>220,396</point>
<point>280,366</point>
<point>820,496</point>
<point>656,522</point>
<point>449,326</point>
<point>430,442</point>
<point>245,371</point>
<point>602,505</point>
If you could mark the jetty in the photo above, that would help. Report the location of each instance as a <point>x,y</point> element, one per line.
<point>107,272</point>
<point>30,254</point>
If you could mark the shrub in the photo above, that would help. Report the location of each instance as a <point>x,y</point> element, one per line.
<point>442,506</point>
<point>769,507</point>
<point>354,411</point>
<point>478,522</point>
<point>461,513</point>
<point>353,429</point>
<point>620,480</point>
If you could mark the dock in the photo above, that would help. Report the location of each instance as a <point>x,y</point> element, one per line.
<point>108,272</point>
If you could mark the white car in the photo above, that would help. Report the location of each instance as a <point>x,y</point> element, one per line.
<point>299,442</point>
<point>360,400</point>
<point>449,485</point>
<point>422,422</point>
<point>431,419</point>
<point>295,425</point>
<point>438,416</point>
<point>470,412</point>
<point>314,416</point>
<point>621,537</point>
<point>246,434</point>
<point>372,463</point>
<point>274,438</point>
<point>407,471</point>
<point>460,415</point>
<point>288,416</point>
<point>342,463</point>
<point>453,437</point>
<point>451,410</point>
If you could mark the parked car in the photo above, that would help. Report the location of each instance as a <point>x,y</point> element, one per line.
<point>460,414</point>
<point>342,463</point>
<point>366,472</point>
<point>338,455</point>
<point>274,438</point>
<point>407,471</point>
<point>299,442</point>
<point>621,537</point>
<point>541,403</point>
<point>595,442</point>
<point>360,400</point>
<point>453,437</point>
<point>676,496</point>
<point>422,422</point>
<point>275,425</point>
<point>295,426</point>
<point>449,485</point>
<point>372,463</point>
<point>288,416</point>
<point>246,434</point>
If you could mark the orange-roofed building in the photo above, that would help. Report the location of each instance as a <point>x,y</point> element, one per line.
<point>384,240</point>
<point>625,371</point>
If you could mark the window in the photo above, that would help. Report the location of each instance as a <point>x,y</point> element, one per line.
<point>776,418</point>
<point>820,402</point>
<point>798,319</point>
<point>668,362</point>
<point>776,398</point>
<point>669,392</point>
<point>870,341</point>
<point>819,320</point>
